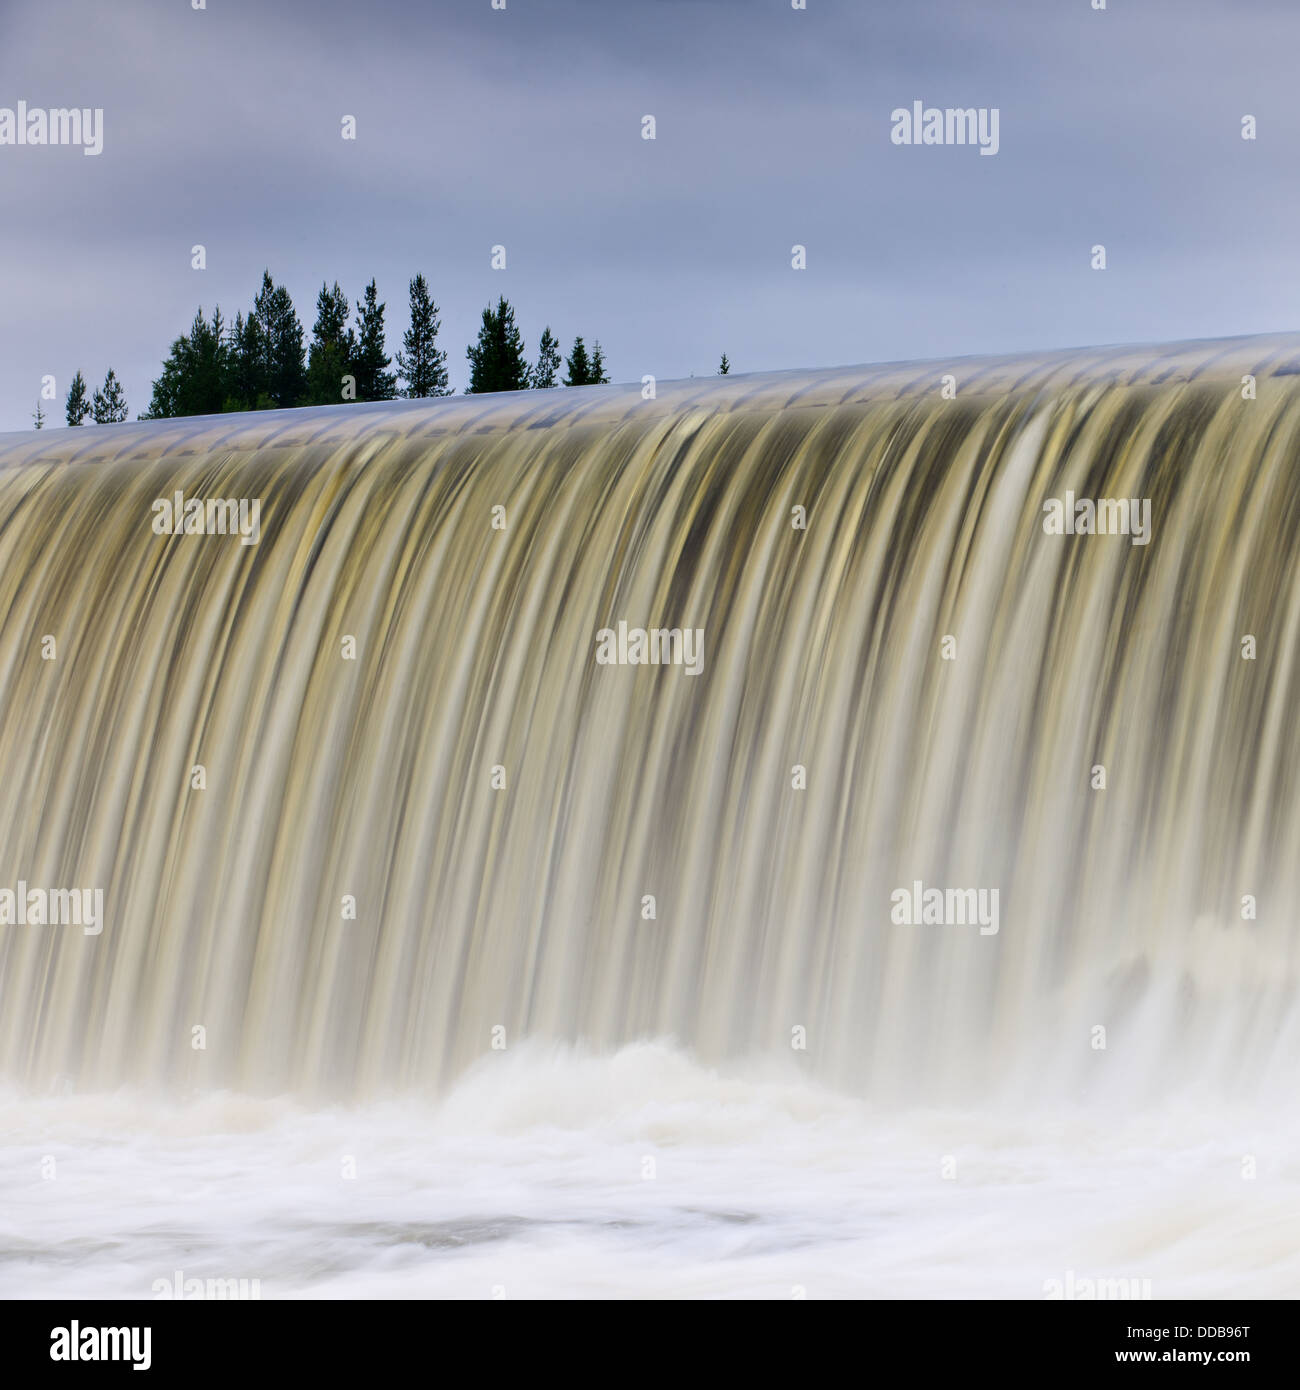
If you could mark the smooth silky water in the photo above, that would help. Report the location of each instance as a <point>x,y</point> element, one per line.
<point>377,1005</point>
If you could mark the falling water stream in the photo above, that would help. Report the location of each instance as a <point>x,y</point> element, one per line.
<point>606,975</point>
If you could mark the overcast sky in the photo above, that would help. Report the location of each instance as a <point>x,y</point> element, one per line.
<point>523,127</point>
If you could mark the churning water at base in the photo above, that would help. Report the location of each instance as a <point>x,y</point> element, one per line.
<point>533,1179</point>
<point>378,827</point>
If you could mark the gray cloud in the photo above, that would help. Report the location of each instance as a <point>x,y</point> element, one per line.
<point>523,127</point>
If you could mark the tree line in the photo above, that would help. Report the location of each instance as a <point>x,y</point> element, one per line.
<point>261,361</point>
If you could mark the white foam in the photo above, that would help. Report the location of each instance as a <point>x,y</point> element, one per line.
<point>529,1178</point>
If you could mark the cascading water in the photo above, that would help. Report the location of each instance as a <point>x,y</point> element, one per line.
<point>384,795</point>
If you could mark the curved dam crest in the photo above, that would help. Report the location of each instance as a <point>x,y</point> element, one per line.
<point>950,790</point>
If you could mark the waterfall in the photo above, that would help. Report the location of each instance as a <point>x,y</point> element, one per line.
<point>611,714</point>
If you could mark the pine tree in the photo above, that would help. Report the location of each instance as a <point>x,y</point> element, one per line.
<point>168,384</point>
<point>370,362</point>
<point>244,390</point>
<point>496,361</point>
<point>196,374</point>
<point>39,416</point>
<point>333,346</point>
<point>724,366</point>
<point>546,372</point>
<point>596,375</point>
<point>421,362</point>
<point>579,367</point>
<point>283,371</point>
<point>78,407</point>
<point>109,405</point>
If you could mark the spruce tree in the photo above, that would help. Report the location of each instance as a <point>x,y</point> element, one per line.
<point>165,393</point>
<point>596,374</point>
<point>109,405</point>
<point>496,361</point>
<point>245,389</point>
<point>421,362</point>
<point>333,346</point>
<point>38,417</point>
<point>78,407</point>
<point>208,365</point>
<point>283,369</point>
<point>370,362</point>
<point>546,372</point>
<point>724,366</point>
<point>195,378</point>
<point>579,367</point>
